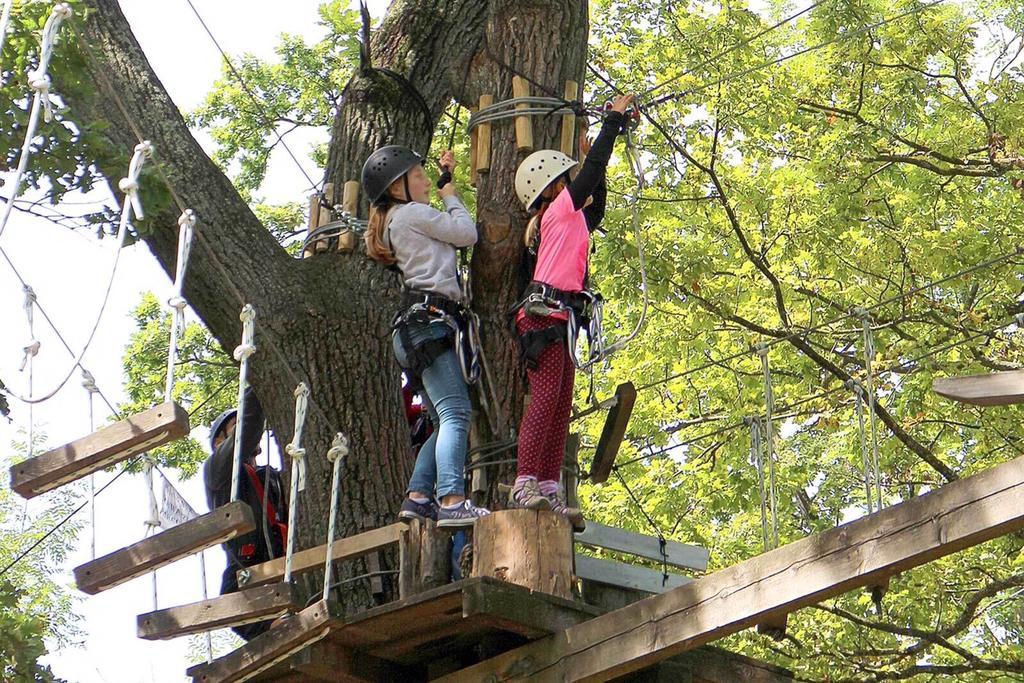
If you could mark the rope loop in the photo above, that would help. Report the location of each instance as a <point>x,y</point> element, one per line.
<point>244,350</point>
<point>339,448</point>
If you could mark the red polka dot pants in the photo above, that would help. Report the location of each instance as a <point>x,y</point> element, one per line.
<point>545,425</point>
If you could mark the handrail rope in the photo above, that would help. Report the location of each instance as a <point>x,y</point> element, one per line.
<point>242,354</point>
<point>177,302</point>
<point>40,83</point>
<point>298,474</point>
<point>336,455</point>
<point>743,43</point>
<point>130,205</point>
<point>252,96</point>
<point>840,38</point>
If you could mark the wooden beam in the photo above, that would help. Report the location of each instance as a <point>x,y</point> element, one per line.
<point>165,547</point>
<point>959,515</point>
<point>108,446</point>
<point>483,138</point>
<point>524,127</point>
<point>349,548</point>
<point>568,141</point>
<point>993,389</point>
<point>626,575</point>
<point>234,609</point>
<point>613,433</point>
<point>263,652</point>
<point>676,554</point>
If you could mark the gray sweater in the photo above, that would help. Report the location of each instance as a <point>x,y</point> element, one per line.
<point>424,241</point>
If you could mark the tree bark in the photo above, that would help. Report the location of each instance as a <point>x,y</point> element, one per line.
<point>326,320</point>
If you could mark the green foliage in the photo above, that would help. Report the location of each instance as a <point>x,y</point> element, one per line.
<point>33,606</point>
<point>206,378</point>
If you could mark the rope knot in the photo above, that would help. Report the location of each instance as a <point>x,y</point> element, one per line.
<point>187,219</point>
<point>40,82</point>
<point>89,382</point>
<point>30,352</point>
<point>244,350</point>
<point>339,448</point>
<point>178,303</point>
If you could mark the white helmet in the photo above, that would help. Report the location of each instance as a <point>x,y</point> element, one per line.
<point>538,171</point>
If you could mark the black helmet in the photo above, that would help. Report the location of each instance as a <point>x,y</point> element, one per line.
<point>384,167</point>
<point>218,424</point>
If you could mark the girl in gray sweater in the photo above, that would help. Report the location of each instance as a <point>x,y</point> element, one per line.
<point>406,233</point>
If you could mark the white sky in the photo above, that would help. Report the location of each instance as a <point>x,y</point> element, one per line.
<point>68,272</point>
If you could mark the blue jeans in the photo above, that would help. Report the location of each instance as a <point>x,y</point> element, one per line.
<point>440,465</point>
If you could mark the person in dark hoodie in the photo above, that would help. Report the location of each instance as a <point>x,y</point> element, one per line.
<point>259,486</point>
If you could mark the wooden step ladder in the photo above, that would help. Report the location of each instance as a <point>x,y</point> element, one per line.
<point>166,547</point>
<point>108,446</point>
<point>234,609</point>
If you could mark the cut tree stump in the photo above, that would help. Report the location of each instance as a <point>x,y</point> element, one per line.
<point>525,547</point>
<point>108,446</point>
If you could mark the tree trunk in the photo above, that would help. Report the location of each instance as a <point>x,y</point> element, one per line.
<point>326,320</point>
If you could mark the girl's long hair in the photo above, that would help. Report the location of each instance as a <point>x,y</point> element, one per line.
<point>377,247</point>
<point>532,234</point>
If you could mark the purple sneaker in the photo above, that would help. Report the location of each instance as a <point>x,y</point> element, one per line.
<point>462,515</point>
<point>413,510</point>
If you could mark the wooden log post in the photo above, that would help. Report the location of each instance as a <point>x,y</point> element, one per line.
<point>323,217</point>
<point>568,141</point>
<point>314,221</point>
<point>483,142</point>
<point>526,547</point>
<point>524,127</point>
<point>473,168</point>
<point>425,558</point>
<point>350,205</point>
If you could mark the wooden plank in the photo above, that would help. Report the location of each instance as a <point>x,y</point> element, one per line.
<point>715,665</point>
<point>613,433</point>
<point>165,547</point>
<point>993,389</point>
<point>331,663</point>
<point>568,140</point>
<point>521,610</point>
<point>483,141</point>
<point>265,651</point>
<point>234,609</point>
<point>959,515</point>
<point>524,127</point>
<point>626,575</point>
<point>108,446</point>
<point>473,161</point>
<point>349,548</point>
<point>676,554</point>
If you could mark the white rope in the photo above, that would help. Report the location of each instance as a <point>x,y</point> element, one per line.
<point>336,454</point>
<point>769,438</point>
<point>757,455</point>
<point>858,392</point>
<point>298,483</point>
<point>634,164</point>
<point>869,357</point>
<point>242,354</point>
<point>202,575</point>
<point>186,228</point>
<point>89,384</point>
<point>40,82</point>
<point>153,522</point>
<point>5,21</point>
<point>130,186</point>
<point>28,360</point>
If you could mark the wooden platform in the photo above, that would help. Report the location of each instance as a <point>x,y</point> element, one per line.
<point>165,547</point>
<point>862,553</point>
<point>234,609</point>
<point>429,634</point>
<point>993,389</point>
<point>110,445</point>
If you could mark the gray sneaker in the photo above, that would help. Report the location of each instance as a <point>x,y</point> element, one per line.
<point>460,516</point>
<point>528,496</point>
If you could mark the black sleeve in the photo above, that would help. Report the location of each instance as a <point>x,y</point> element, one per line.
<point>217,471</point>
<point>594,166</point>
<point>594,212</point>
